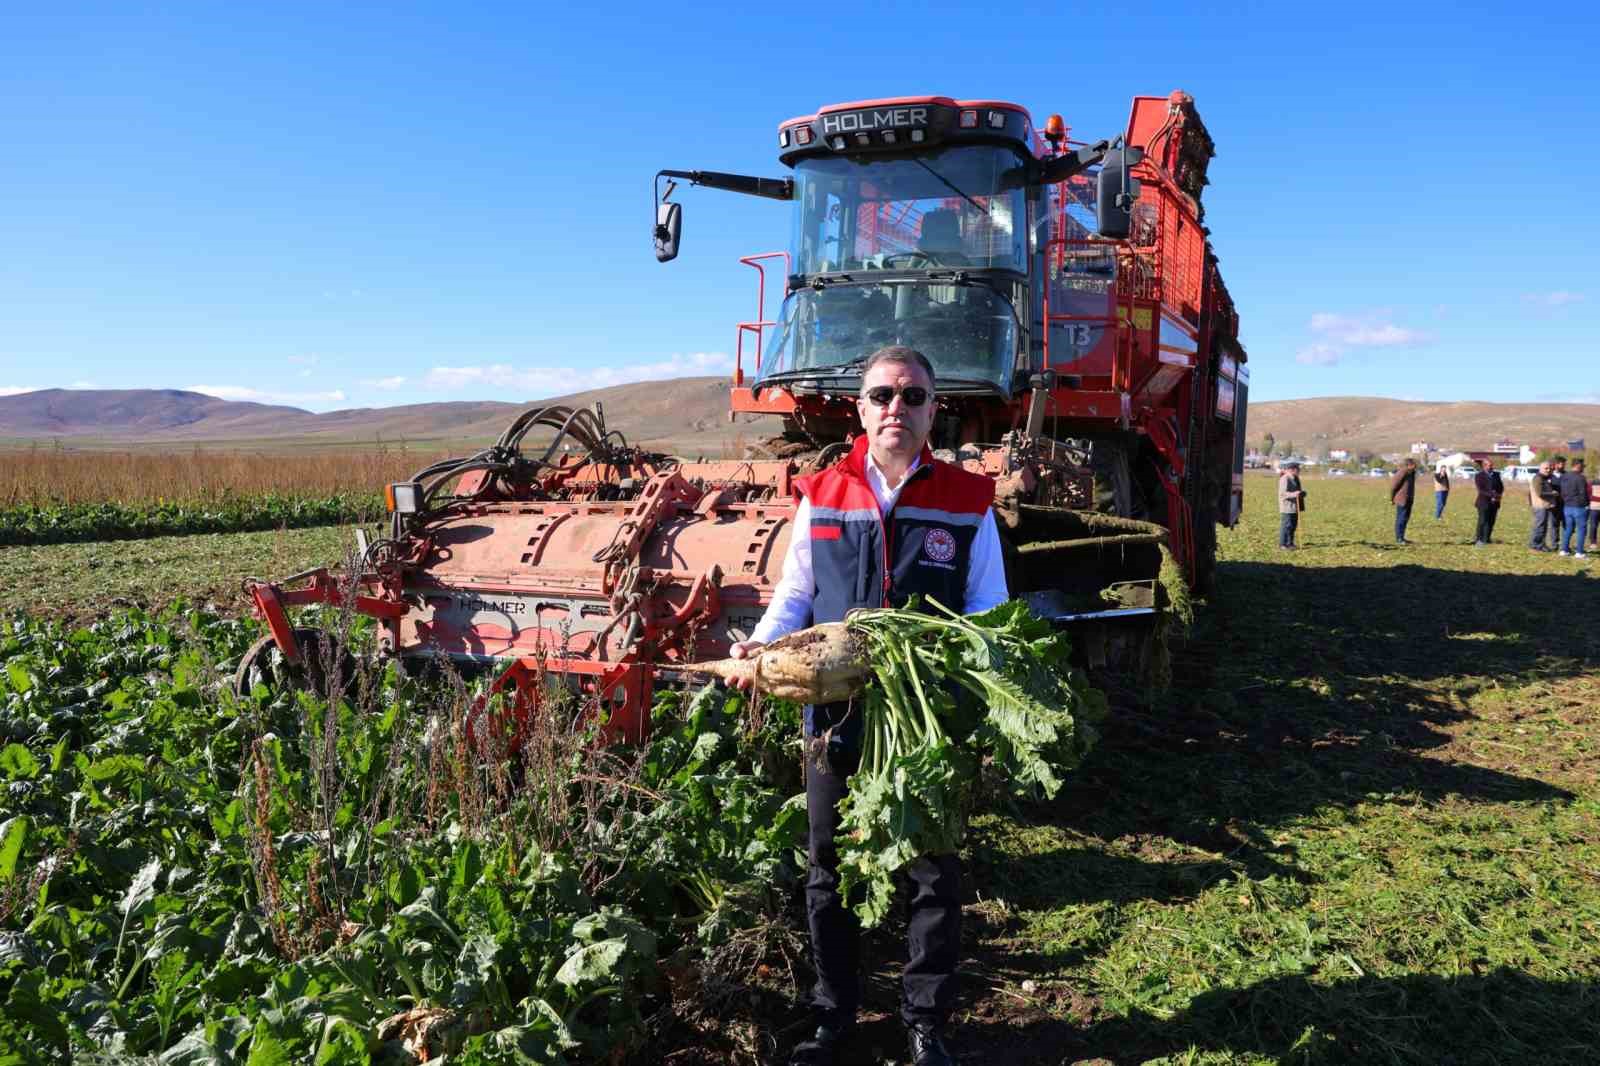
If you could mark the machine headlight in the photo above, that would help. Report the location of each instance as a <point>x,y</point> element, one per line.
<point>404,497</point>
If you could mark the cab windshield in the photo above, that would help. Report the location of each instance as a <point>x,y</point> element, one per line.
<point>968,332</point>
<point>958,207</point>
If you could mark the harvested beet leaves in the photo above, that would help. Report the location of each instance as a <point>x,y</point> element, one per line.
<point>944,698</point>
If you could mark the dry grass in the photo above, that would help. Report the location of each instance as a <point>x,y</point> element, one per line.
<point>44,476</point>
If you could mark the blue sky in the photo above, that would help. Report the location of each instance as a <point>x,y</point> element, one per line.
<point>360,205</point>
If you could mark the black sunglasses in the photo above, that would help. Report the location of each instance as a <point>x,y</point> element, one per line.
<point>883,395</point>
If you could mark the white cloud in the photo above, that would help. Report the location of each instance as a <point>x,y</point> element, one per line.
<point>305,360</point>
<point>1558,397</point>
<point>1318,355</point>
<point>241,392</point>
<point>18,390</point>
<point>1365,331</point>
<point>551,381</point>
<point>1335,334</point>
<point>1559,298</point>
<point>84,385</point>
<point>386,384</point>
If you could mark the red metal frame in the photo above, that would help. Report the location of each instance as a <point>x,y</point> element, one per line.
<point>271,601</point>
<point>622,690</point>
<point>761,322</point>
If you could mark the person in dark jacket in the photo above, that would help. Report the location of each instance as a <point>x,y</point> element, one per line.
<point>1441,491</point>
<point>1544,497</point>
<point>1558,516</point>
<point>886,522</point>
<point>1490,487</point>
<point>1574,488</point>
<point>1403,493</point>
<point>1291,501</point>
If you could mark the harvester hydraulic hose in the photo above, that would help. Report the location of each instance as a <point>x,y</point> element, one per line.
<point>503,458</point>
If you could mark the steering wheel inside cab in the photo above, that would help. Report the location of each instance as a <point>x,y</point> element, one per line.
<point>912,260</point>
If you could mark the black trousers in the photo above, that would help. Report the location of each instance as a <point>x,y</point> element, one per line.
<point>933,914</point>
<point>1486,517</point>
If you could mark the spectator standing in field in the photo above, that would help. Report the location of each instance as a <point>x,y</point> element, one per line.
<point>1544,498</point>
<point>1489,487</point>
<point>1291,498</point>
<point>1574,488</point>
<point>1558,517</point>
<point>1403,493</point>
<point>1594,513</point>
<point>1441,491</point>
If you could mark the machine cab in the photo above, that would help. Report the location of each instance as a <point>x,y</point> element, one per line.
<point>909,226</point>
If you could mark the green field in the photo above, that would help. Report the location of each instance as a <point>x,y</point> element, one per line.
<point>1363,827</point>
<point>82,581</point>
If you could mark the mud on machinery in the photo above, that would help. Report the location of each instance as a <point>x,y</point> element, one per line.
<point>1087,356</point>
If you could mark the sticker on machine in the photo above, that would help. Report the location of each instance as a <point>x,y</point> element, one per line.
<point>939,546</point>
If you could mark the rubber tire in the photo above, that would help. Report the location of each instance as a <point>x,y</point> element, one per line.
<point>264,664</point>
<point>1205,550</point>
<point>1115,490</point>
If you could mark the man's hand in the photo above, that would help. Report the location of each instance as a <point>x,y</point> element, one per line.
<point>745,649</point>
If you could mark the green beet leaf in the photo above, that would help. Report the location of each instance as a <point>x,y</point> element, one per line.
<point>13,836</point>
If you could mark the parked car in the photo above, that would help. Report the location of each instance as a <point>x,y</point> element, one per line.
<point>1377,472</point>
<point>1518,473</point>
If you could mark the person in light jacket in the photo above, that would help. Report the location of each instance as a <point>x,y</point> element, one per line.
<point>1291,498</point>
<point>1441,491</point>
<point>1594,513</point>
<point>1403,493</point>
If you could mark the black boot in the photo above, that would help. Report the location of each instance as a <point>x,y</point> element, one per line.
<point>927,1049</point>
<point>824,1046</point>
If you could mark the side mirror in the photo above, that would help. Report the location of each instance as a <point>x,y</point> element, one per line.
<point>669,226</point>
<point>1116,192</point>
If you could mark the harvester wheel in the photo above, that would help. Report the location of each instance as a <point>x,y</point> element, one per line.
<point>1115,490</point>
<point>324,665</point>
<point>1205,549</point>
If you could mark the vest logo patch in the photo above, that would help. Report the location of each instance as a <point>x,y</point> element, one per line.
<point>939,546</point>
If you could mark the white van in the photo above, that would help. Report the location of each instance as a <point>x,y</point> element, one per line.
<point>1519,473</point>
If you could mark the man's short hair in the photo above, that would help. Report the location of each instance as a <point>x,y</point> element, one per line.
<point>1291,466</point>
<point>1558,458</point>
<point>901,355</point>
<point>1577,462</point>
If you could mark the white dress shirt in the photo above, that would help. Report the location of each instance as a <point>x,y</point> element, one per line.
<point>790,608</point>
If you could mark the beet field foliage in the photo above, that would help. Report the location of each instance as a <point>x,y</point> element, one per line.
<point>190,877</point>
<point>104,520</point>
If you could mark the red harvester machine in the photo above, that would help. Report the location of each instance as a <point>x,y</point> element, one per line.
<point>1087,356</point>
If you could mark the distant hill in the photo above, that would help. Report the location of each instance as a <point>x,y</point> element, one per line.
<point>135,412</point>
<point>684,415</point>
<point>1392,425</point>
<point>690,416</point>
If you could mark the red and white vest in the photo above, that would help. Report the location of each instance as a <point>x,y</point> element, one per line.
<point>862,558</point>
